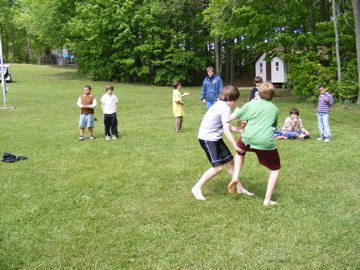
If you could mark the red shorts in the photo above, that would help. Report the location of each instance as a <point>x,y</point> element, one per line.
<point>268,158</point>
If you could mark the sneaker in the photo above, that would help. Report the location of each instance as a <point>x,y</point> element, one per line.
<point>327,140</point>
<point>113,137</point>
<point>91,137</point>
<point>320,138</point>
<point>107,137</point>
<point>81,138</point>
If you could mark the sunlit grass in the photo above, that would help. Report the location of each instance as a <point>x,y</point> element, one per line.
<point>127,204</point>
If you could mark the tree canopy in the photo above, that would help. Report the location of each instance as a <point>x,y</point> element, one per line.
<point>159,41</point>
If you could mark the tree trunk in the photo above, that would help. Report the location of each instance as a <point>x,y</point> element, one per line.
<point>217,57</point>
<point>337,46</point>
<point>232,62</point>
<point>356,7</point>
<point>227,50</point>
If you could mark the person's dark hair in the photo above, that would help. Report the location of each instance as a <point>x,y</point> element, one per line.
<point>321,86</point>
<point>175,84</point>
<point>266,91</point>
<point>109,87</point>
<point>88,87</point>
<point>294,111</point>
<point>258,79</point>
<point>229,93</point>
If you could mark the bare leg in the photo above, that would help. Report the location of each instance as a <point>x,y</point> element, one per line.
<point>90,131</point>
<point>235,183</point>
<point>210,173</point>
<point>230,168</point>
<point>82,131</point>
<point>273,178</point>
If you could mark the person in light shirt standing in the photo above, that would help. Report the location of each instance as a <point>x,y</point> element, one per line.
<point>109,107</point>
<point>178,106</point>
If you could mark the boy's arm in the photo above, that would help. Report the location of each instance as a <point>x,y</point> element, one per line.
<point>229,136</point>
<point>102,107</point>
<point>79,102</point>
<point>235,129</point>
<point>220,88</point>
<point>203,92</point>
<point>93,105</point>
<point>331,100</point>
<point>287,126</point>
<point>301,127</point>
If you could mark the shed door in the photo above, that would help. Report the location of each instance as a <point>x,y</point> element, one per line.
<point>268,71</point>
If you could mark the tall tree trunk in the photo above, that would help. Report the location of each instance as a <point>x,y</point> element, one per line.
<point>337,45</point>
<point>227,50</point>
<point>232,62</point>
<point>13,44</point>
<point>356,7</point>
<point>217,57</point>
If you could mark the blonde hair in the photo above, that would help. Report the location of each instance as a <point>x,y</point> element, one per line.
<point>266,91</point>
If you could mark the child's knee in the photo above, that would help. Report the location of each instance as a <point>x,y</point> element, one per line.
<point>218,168</point>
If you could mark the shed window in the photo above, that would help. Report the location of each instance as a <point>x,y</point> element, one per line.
<point>261,68</point>
<point>277,67</point>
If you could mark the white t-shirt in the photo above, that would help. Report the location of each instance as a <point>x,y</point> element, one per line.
<point>109,102</point>
<point>211,127</point>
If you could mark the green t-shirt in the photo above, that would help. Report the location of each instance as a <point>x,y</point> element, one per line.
<point>261,116</point>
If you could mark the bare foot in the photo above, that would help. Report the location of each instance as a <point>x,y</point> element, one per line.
<point>270,203</point>
<point>197,194</point>
<point>232,186</point>
<point>241,190</point>
<point>244,191</point>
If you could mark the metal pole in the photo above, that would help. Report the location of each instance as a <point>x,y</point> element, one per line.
<point>2,73</point>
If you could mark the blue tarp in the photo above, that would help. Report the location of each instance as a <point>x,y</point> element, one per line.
<point>66,56</point>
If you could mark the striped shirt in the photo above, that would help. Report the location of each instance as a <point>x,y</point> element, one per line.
<point>324,107</point>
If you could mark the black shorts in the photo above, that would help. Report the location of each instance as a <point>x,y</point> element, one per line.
<point>217,152</point>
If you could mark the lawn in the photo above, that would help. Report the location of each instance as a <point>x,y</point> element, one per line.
<point>127,203</point>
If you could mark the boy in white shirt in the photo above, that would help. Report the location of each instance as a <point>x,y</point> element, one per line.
<point>216,122</point>
<point>109,106</point>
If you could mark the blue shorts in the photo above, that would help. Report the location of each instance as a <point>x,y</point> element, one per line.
<point>217,152</point>
<point>86,121</point>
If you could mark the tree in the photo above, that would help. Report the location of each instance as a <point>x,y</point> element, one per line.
<point>356,7</point>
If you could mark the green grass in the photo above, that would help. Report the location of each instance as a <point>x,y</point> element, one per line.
<point>127,204</point>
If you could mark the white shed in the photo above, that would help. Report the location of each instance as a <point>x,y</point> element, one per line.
<point>273,71</point>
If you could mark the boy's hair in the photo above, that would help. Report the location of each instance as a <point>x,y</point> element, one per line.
<point>109,87</point>
<point>175,84</point>
<point>229,93</point>
<point>258,79</point>
<point>321,86</point>
<point>88,87</point>
<point>294,111</point>
<point>210,68</point>
<point>266,91</point>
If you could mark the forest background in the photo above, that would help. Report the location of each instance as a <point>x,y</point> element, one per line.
<point>157,42</point>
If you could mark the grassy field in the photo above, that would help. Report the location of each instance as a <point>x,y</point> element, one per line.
<point>127,203</point>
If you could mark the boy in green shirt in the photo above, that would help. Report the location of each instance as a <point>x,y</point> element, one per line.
<point>261,117</point>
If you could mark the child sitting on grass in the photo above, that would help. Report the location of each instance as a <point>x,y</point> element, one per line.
<point>261,116</point>
<point>293,128</point>
<point>216,122</point>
